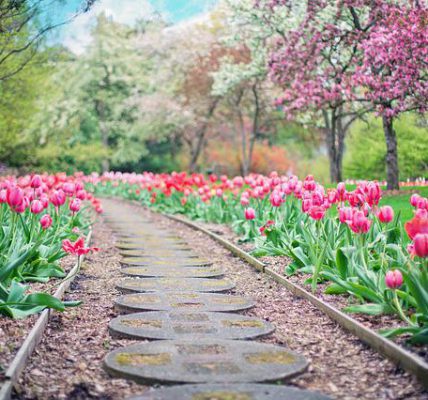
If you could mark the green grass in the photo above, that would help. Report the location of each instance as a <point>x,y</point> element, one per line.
<point>401,202</point>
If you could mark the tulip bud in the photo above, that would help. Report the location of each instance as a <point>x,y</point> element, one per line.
<point>393,279</point>
<point>386,214</point>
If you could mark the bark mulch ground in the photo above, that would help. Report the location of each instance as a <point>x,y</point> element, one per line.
<point>68,363</point>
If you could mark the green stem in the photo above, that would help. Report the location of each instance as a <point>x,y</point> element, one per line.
<point>400,310</point>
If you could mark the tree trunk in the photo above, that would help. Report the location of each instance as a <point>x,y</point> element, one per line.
<point>392,173</point>
<point>335,140</point>
<point>195,150</point>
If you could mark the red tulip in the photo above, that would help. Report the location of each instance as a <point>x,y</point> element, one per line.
<point>418,224</point>
<point>420,245</point>
<point>393,279</point>
<point>46,221</point>
<point>36,207</point>
<point>77,248</point>
<point>386,214</point>
<point>250,213</point>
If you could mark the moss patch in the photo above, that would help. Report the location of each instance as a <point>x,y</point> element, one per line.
<point>270,357</point>
<point>141,323</point>
<point>222,396</point>
<point>136,360</point>
<point>243,324</point>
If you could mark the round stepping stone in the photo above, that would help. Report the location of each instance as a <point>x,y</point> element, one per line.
<point>204,361</point>
<point>240,391</point>
<point>147,235</point>
<point>179,272</point>
<point>182,301</point>
<point>151,246</point>
<point>165,262</point>
<point>190,325</point>
<point>158,253</point>
<point>172,284</point>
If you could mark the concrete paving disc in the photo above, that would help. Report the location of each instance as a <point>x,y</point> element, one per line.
<point>173,284</point>
<point>165,262</point>
<point>182,301</point>
<point>239,391</point>
<point>151,246</point>
<point>148,235</point>
<point>204,361</point>
<point>188,325</point>
<point>157,253</point>
<point>179,272</point>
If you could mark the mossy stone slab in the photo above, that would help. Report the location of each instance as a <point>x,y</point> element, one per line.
<point>144,245</point>
<point>182,301</point>
<point>174,284</point>
<point>239,391</point>
<point>165,261</point>
<point>188,325</point>
<point>170,272</point>
<point>204,361</point>
<point>158,252</point>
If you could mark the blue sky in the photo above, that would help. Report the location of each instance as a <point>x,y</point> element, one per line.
<point>76,35</point>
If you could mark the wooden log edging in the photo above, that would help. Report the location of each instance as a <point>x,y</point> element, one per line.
<point>397,354</point>
<point>35,335</point>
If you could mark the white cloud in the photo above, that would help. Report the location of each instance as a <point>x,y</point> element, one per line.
<point>77,35</point>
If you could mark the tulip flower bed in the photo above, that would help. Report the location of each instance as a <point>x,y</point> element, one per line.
<point>338,237</point>
<point>40,216</point>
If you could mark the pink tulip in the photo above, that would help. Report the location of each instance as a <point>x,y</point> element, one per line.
<point>3,196</point>
<point>393,279</point>
<point>69,188</point>
<point>36,182</point>
<point>81,194</point>
<point>250,213</point>
<point>420,243</point>
<point>46,221</point>
<point>275,199</point>
<point>317,212</point>
<point>36,207</point>
<point>414,199</point>
<point>386,214</point>
<point>360,223</point>
<point>75,205</point>
<point>15,197</point>
<point>58,198</point>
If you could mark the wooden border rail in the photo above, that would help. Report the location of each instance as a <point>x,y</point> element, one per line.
<point>35,335</point>
<point>400,356</point>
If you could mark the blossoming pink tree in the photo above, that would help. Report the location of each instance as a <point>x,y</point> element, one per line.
<point>314,64</point>
<point>393,70</point>
<point>348,57</point>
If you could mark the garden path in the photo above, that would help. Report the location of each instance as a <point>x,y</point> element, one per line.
<point>174,287</point>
